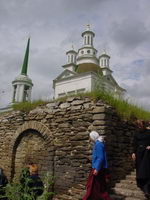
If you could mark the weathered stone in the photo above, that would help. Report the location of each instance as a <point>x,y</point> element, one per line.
<point>64,105</point>
<point>100,109</point>
<point>99,116</point>
<point>76,107</point>
<point>77,102</point>
<point>57,136</point>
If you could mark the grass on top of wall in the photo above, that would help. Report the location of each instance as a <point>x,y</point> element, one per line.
<point>124,109</point>
<point>27,106</point>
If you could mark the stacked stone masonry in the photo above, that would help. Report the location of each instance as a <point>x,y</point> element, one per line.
<point>56,137</point>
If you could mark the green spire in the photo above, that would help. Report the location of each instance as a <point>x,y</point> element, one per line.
<point>25,62</point>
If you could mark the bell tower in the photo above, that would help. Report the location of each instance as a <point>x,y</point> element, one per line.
<point>22,85</point>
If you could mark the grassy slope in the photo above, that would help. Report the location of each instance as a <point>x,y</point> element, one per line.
<point>124,109</point>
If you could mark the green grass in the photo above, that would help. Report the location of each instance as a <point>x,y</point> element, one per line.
<point>27,106</point>
<point>124,109</point>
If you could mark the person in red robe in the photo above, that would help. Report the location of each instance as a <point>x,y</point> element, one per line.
<point>96,188</point>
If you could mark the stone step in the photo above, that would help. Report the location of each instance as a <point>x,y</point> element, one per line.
<point>130,177</point>
<point>129,193</point>
<point>130,182</point>
<point>127,185</point>
<point>133,173</point>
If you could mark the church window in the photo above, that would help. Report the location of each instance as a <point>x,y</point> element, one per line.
<point>68,58</point>
<point>102,62</point>
<point>105,62</point>
<point>61,94</point>
<point>88,51</point>
<point>84,40</point>
<point>94,52</point>
<point>81,90</point>
<point>88,37</point>
<point>71,92</point>
<point>72,58</point>
<point>82,52</point>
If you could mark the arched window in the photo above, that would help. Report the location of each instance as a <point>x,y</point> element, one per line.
<point>102,63</point>
<point>88,37</point>
<point>84,39</point>
<point>72,58</point>
<point>105,62</point>
<point>68,58</point>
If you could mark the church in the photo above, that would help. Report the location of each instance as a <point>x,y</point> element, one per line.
<point>85,71</point>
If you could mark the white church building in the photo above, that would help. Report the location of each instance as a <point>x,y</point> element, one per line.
<point>85,71</point>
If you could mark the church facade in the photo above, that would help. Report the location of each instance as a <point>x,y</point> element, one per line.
<point>85,71</point>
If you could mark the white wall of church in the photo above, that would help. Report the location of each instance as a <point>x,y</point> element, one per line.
<point>73,86</point>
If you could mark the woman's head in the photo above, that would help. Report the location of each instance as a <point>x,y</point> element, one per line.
<point>94,136</point>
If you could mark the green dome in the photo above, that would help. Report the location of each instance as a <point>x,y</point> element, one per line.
<point>88,67</point>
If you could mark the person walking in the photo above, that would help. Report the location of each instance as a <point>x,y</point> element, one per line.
<point>96,188</point>
<point>141,155</point>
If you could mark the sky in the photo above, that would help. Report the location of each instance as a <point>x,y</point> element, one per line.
<point>121,27</point>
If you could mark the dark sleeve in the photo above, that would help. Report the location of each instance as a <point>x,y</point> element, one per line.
<point>134,143</point>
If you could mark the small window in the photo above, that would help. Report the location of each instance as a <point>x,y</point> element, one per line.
<point>72,58</point>
<point>71,92</point>
<point>94,52</point>
<point>88,51</point>
<point>81,90</point>
<point>82,52</point>
<point>88,40</point>
<point>61,94</point>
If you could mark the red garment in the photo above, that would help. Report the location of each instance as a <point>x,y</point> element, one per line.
<point>96,188</point>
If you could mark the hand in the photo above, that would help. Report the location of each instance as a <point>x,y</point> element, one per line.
<point>133,156</point>
<point>148,147</point>
<point>95,172</point>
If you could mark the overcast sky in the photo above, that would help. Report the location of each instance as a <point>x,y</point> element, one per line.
<point>122,27</point>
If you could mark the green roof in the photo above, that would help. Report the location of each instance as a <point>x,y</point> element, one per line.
<point>88,67</point>
<point>25,62</point>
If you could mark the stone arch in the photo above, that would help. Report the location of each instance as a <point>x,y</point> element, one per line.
<point>32,139</point>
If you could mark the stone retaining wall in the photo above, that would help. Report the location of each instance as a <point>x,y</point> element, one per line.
<point>56,137</point>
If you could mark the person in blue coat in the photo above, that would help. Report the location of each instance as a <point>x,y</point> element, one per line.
<point>96,187</point>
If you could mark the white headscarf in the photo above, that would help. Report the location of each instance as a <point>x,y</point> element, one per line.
<point>95,136</point>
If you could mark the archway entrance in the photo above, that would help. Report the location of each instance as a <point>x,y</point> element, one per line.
<point>35,144</point>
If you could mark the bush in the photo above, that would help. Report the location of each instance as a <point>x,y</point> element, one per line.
<point>18,191</point>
